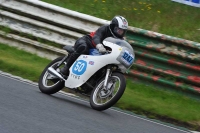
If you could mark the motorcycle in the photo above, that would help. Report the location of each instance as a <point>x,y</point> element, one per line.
<point>99,76</point>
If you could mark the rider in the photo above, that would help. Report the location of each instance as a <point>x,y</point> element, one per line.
<point>117,29</point>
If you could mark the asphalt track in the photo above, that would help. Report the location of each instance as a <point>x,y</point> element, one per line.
<point>24,109</point>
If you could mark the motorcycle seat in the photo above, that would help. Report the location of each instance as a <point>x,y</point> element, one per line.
<point>69,48</point>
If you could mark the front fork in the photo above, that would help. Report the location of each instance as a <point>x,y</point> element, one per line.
<point>108,73</point>
<point>64,59</point>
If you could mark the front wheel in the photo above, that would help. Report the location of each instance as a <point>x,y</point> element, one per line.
<point>102,99</point>
<point>48,83</point>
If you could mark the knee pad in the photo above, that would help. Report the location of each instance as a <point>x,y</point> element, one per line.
<point>82,49</point>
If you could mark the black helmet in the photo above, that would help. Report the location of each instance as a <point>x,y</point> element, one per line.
<point>118,26</point>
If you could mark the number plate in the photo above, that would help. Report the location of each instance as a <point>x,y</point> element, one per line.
<point>127,57</point>
<point>79,67</point>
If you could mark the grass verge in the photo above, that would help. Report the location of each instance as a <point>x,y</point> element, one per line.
<point>21,63</point>
<point>138,98</point>
<point>160,104</point>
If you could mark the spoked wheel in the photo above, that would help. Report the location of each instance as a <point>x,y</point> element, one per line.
<point>102,98</point>
<point>48,83</point>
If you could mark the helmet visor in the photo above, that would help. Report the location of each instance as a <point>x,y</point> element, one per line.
<point>120,32</point>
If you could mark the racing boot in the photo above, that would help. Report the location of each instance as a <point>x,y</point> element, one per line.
<point>70,61</point>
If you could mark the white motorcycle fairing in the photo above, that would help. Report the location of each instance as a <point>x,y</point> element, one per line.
<point>86,65</point>
<point>100,77</point>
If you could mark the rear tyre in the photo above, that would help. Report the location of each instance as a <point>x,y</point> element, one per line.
<point>101,99</point>
<point>48,83</point>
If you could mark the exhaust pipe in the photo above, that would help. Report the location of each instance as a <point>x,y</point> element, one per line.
<point>55,73</point>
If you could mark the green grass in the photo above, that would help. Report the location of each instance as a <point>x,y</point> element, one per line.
<point>21,63</point>
<point>144,99</point>
<point>138,98</point>
<point>163,16</point>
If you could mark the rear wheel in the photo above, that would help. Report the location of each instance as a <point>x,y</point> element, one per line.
<point>48,83</point>
<point>102,99</point>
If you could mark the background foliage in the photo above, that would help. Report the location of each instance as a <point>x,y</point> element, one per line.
<point>163,16</point>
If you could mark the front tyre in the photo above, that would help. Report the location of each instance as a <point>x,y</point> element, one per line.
<point>102,99</point>
<point>48,83</point>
